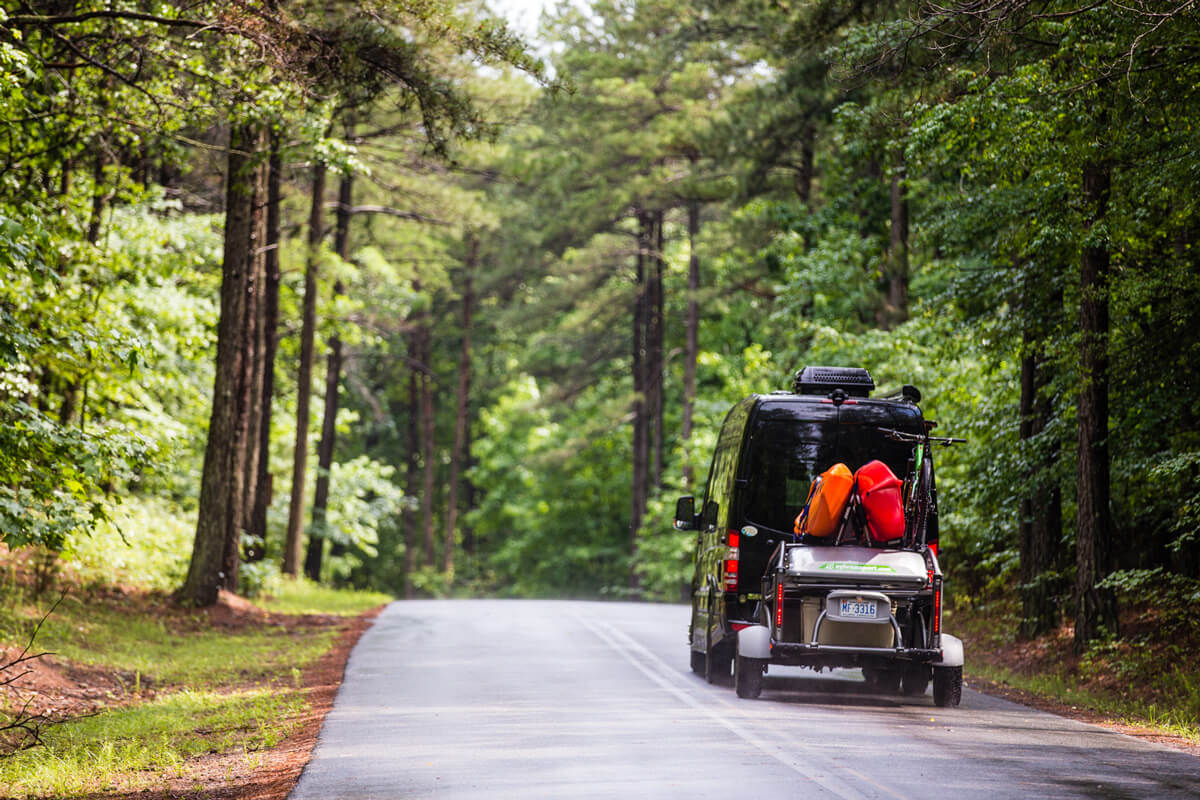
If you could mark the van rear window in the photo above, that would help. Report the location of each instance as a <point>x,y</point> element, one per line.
<point>788,446</point>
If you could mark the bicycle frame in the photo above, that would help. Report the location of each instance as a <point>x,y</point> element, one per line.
<point>919,483</point>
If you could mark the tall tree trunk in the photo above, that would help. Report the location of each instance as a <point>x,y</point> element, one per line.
<point>256,550</point>
<point>654,337</point>
<point>70,400</point>
<point>462,410</point>
<point>804,178</point>
<point>95,221</point>
<point>245,432</point>
<point>256,311</point>
<point>427,430</point>
<point>1093,531</point>
<point>220,513</point>
<point>96,217</point>
<point>246,439</point>
<point>692,347</point>
<point>294,543</point>
<point>333,379</point>
<point>640,426</point>
<point>409,516</point>
<point>468,460</point>
<point>897,297</point>
<point>1041,507</point>
<point>1047,534</point>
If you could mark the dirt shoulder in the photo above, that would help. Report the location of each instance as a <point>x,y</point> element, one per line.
<point>225,777</point>
<point>58,690</point>
<point>1053,706</point>
<point>1013,666</point>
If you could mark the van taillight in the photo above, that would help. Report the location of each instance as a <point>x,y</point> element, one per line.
<point>731,562</point>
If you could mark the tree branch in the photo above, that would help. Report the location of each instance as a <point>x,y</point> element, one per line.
<point>30,20</point>
<point>389,212</point>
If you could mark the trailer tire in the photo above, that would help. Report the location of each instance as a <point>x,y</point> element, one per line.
<point>947,686</point>
<point>748,676</point>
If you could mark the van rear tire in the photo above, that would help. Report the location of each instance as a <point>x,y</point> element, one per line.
<point>748,676</point>
<point>719,664</point>
<point>699,662</point>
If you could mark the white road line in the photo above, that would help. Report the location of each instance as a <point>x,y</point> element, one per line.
<point>666,677</point>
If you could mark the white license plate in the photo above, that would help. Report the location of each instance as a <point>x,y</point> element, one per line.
<point>851,609</point>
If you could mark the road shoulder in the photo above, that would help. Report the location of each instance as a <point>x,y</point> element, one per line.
<point>281,766</point>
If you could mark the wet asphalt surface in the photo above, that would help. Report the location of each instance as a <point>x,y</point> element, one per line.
<point>545,699</point>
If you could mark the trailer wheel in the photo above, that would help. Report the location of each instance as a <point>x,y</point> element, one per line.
<point>947,686</point>
<point>748,676</point>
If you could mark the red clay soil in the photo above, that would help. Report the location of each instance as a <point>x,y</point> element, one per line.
<point>282,765</point>
<point>225,776</point>
<point>61,690</point>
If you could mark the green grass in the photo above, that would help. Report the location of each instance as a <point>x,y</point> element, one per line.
<point>1179,720</point>
<point>214,689</point>
<point>218,689</point>
<point>1149,679</point>
<point>174,649</point>
<point>126,748</point>
<point>302,596</point>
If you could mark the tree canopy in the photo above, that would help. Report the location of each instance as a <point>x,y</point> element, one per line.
<point>505,299</point>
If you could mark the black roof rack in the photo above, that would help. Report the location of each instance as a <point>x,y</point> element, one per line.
<point>854,381</point>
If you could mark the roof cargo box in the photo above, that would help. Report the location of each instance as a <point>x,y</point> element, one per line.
<point>854,381</point>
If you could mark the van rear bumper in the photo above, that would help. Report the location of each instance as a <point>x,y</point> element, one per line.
<point>812,655</point>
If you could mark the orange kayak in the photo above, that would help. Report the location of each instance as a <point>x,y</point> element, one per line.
<point>827,498</point>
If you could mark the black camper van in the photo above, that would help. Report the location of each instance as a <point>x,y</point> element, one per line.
<point>769,450</point>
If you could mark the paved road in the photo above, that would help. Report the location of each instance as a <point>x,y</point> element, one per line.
<point>531,699</point>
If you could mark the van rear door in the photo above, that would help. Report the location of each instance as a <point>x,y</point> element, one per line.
<point>792,440</point>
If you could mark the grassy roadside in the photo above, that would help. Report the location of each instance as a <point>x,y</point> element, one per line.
<point>1146,681</point>
<point>140,692</point>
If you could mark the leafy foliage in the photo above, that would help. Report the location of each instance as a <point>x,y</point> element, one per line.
<point>785,146</point>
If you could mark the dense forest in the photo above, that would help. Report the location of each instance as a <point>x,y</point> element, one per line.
<point>387,295</point>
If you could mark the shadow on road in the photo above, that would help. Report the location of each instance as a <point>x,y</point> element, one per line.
<point>827,691</point>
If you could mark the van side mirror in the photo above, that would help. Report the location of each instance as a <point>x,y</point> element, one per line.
<point>685,514</point>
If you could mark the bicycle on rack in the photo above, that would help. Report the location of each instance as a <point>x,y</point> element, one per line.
<point>918,496</point>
